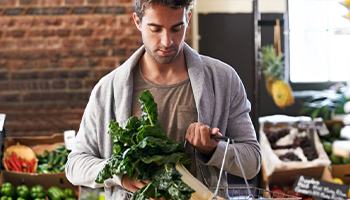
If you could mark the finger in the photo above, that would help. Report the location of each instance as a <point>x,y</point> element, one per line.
<point>189,134</point>
<point>215,131</point>
<point>197,134</point>
<point>139,184</point>
<point>205,135</point>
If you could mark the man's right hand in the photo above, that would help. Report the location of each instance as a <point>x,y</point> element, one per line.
<point>131,184</point>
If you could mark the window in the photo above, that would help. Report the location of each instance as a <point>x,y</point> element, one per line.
<point>319,47</point>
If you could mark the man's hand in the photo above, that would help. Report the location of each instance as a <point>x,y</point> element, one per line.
<point>131,184</point>
<point>198,135</point>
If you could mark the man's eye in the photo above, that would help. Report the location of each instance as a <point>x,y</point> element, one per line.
<point>155,30</point>
<point>176,29</point>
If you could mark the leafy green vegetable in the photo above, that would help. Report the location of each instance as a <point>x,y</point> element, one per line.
<point>143,148</point>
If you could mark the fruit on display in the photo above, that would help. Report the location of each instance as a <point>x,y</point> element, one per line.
<point>52,161</point>
<point>275,132</point>
<point>338,181</point>
<point>7,190</point>
<point>328,142</point>
<point>37,192</point>
<point>22,191</point>
<point>278,189</point>
<point>273,68</point>
<point>282,93</point>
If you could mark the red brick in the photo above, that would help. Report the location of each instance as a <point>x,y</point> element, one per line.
<point>8,44</point>
<point>75,84</point>
<point>100,52</point>
<point>129,9</point>
<point>111,21</point>
<point>85,32</point>
<point>10,2</point>
<point>28,2</point>
<point>4,85</point>
<point>76,2</point>
<point>119,52</point>
<point>93,22</point>
<point>81,73</point>
<point>50,74</point>
<point>32,43</point>
<point>116,1</point>
<point>100,72</point>
<point>73,22</point>
<point>15,11</point>
<point>63,32</point>
<point>47,21</point>
<point>10,97</point>
<point>53,43</point>
<point>73,43</point>
<point>91,82</point>
<point>23,75</point>
<point>29,54</point>
<point>126,21</point>
<point>108,42</point>
<point>93,42</point>
<point>109,62</point>
<point>94,1</point>
<point>33,33</point>
<point>47,33</point>
<point>132,31</point>
<point>58,84</point>
<point>4,74</point>
<point>49,2</point>
<point>26,22</point>
<point>80,53</point>
<point>102,32</point>
<point>30,85</point>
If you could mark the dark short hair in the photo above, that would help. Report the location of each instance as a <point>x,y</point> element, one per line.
<point>142,5</point>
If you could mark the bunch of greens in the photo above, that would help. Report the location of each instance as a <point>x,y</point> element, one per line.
<point>142,148</point>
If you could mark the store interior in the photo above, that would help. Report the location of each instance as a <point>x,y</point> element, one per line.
<point>291,55</point>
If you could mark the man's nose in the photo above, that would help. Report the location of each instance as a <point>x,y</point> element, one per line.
<point>166,39</point>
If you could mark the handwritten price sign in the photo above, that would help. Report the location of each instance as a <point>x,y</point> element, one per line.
<point>318,188</point>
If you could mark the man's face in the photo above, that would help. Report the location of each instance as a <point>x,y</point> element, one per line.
<point>163,32</point>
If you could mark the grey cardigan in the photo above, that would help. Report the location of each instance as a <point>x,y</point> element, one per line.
<point>221,102</point>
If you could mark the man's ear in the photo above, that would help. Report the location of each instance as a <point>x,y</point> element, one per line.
<point>137,21</point>
<point>189,14</point>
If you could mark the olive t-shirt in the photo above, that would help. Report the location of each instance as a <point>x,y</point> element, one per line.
<point>176,108</point>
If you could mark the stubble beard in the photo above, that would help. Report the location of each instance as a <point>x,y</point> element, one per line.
<point>163,59</point>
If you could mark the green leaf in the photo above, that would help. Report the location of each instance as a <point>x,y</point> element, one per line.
<point>149,109</point>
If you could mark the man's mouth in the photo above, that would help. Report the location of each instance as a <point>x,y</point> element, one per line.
<point>166,52</point>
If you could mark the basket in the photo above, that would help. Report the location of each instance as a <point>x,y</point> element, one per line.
<point>22,151</point>
<point>246,192</point>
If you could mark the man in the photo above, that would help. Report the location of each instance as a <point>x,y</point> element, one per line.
<point>196,95</point>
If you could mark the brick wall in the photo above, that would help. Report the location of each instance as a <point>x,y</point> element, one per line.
<point>52,53</point>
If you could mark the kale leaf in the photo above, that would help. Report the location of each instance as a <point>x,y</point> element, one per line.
<point>143,148</point>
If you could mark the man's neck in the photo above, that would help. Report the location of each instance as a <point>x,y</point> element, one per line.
<point>164,74</point>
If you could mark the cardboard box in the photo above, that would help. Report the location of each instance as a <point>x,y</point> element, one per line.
<point>30,180</point>
<point>38,144</point>
<point>288,177</point>
<point>342,172</point>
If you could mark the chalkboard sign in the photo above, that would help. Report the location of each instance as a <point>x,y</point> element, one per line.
<point>318,188</point>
